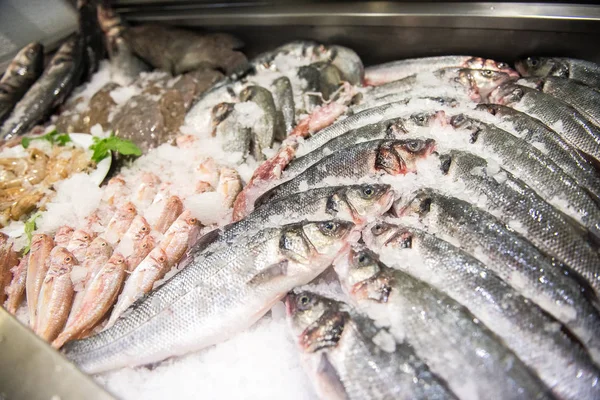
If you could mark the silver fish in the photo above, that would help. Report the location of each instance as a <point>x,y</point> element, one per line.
<point>465,353</point>
<point>266,127</point>
<point>511,257</point>
<point>559,116</point>
<point>284,101</point>
<point>347,62</point>
<point>532,335</point>
<point>340,352</point>
<point>215,297</point>
<point>20,74</point>
<point>579,70</point>
<point>235,136</point>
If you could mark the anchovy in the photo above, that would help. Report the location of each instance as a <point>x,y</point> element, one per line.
<point>579,70</point>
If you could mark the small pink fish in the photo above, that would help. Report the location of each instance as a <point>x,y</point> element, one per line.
<point>137,231</point>
<point>79,244</point>
<point>8,260</point>
<point>140,250</point>
<point>119,223</point>
<point>37,266</point>
<point>63,236</point>
<point>16,290</point>
<point>115,191</point>
<point>148,187</point>
<point>99,297</point>
<point>141,281</point>
<point>56,295</point>
<point>172,209</point>
<point>179,236</point>
<point>230,185</point>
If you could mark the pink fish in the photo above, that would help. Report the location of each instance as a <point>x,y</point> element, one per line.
<point>119,223</point>
<point>173,207</point>
<point>37,266</point>
<point>140,250</point>
<point>8,260</point>
<point>63,236</point>
<point>79,244</point>
<point>16,290</point>
<point>179,236</point>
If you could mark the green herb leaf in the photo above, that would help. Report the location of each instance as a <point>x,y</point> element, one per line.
<point>29,229</point>
<point>103,147</point>
<point>25,142</point>
<point>53,137</point>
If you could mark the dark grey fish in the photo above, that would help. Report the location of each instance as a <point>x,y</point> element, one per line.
<point>21,73</point>
<point>579,70</point>
<point>347,62</point>
<point>466,354</point>
<point>235,136</point>
<point>340,351</point>
<point>284,101</point>
<point>49,91</point>
<point>556,114</point>
<point>559,150</point>
<point>518,206</point>
<point>267,126</point>
<point>320,81</point>
<point>534,336</point>
<point>90,30</point>
<point>515,260</point>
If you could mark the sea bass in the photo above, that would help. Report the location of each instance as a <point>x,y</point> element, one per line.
<point>578,70</point>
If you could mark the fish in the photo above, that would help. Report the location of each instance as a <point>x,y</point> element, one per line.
<point>535,337</point>
<point>96,255</point>
<point>515,204</point>
<point>140,250</point>
<point>463,352</point>
<point>533,167</point>
<point>50,90</point>
<point>340,352</point>
<point>579,70</point>
<point>20,74</point>
<point>89,28</point>
<point>229,185</point>
<point>179,236</point>
<point>319,82</point>
<point>141,281</point>
<point>100,294</point>
<point>147,189</point>
<point>178,51</point>
<point>63,235</point>
<point>136,232</point>
<point>235,136</point>
<point>56,294</point>
<point>559,116</point>
<point>396,70</point>
<point>581,97</point>
<point>283,97</point>
<point>265,129</point>
<point>347,62</point>
<point>172,209</point>
<point>509,255</point>
<point>394,128</point>
<point>536,133</point>
<point>8,260</point>
<point>39,253</point>
<point>79,243</point>
<point>215,297</point>
<point>115,191</point>
<point>16,290</point>
<point>427,96</point>
<point>119,223</point>
<point>375,157</point>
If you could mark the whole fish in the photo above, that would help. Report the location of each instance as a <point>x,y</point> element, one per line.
<point>394,128</point>
<point>49,91</point>
<point>510,256</point>
<point>549,142</point>
<point>16,290</point>
<point>394,157</point>
<point>229,185</point>
<point>581,97</point>
<point>533,167</point>
<point>173,207</point>
<point>37,266</point>
<point>439,329</point>
<point>140,250</point>
<point>535,337</point>
<point>319,81</point>
<point>137,231</point>
<point>522,210</point>
<point>100,295</point>
<point>179,236</point>
<point>119,223</point>
<point>8,260</point>
<point>226,125</point>
<point>79,243</point>
<point>20,74</point>
<point>266,127</point>
<point>396,70</point>
<point>142,279</point>
<point>339,349</point>
<point>559,116</point>
<point>214,297</point>
<point>579,70</point>
<point>63,235</point>
<point>284,101</point>
<point>96,255</point>
<point>56,294</point>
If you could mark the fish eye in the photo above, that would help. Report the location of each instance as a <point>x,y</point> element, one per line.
<point>328,227</point>
<point>419,118</point>
<point>368,192</point>
<point>103,244</point>
<point>415,145</point>
<point>68,259</point>
<point>144,229</point>
<point>487,73</point>
<point>533,62</point>
<point>303,301</point>
<point>406,242</point>
<point>378,229</point>
<point>192,221</point>
<point>502,65</point>
<point>363,259</point>
<point>457,120</point>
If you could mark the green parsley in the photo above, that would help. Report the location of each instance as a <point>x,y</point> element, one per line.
<point>29,228</point>
<point>53,137</point>
<point>103,147</point>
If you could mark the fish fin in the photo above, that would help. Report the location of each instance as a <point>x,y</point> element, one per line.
<point>273,271</point>
<point>330,385</point>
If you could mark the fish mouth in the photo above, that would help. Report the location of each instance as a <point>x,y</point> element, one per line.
<point>290,303</point>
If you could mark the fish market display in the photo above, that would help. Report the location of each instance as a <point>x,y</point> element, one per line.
<point>421,229</point>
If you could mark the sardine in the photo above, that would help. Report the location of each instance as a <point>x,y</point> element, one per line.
<point>559,150</point>
<point>16,290</point>
<point>341,352</point>
<point>215,297</point>
<point>376,157</point>
<point>79,243</point>
<point>510,256</point>
<point>465,353</point>
<point>515,204</point>
<point>37,266</point>
<point>100,295</point>
<point>20,74</point>
<point>284,101</point>
<point>559,116</point>
<point>173,207</point>
<point>8,260</point>
<point>395,70</point>
<point>49,91</point>
<point>63,235</point>
<point>56,294</point>
<point>535,337</point>
<point>119,223</point>
<point>265,128</point>
<point>579,70</point>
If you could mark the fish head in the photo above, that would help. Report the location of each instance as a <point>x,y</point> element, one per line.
<point>61,261</point>
<point>507,94</point>
<point>481,82</point>
<point>82,238</point>
<point>309,241</point>
<point>116,261</point>
<point>486,63</point>
<point>247,93</point>
<point>356,265</point>
<point>418,204</point>
<point>139,227</point>
<point>542,66</point>
<point>159,258</point>
<point>31,58</point>
<point>99,247</point>
<point>219,113</point>
<point>127,211</point>
<point>368,200</point>
<point>401,127</point>
<point>383,234</point>
<point>40,240</point>
<point>399,157</point>
<point>64,230</point>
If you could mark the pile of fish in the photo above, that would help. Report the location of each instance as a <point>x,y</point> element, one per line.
<point>453,203</point>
